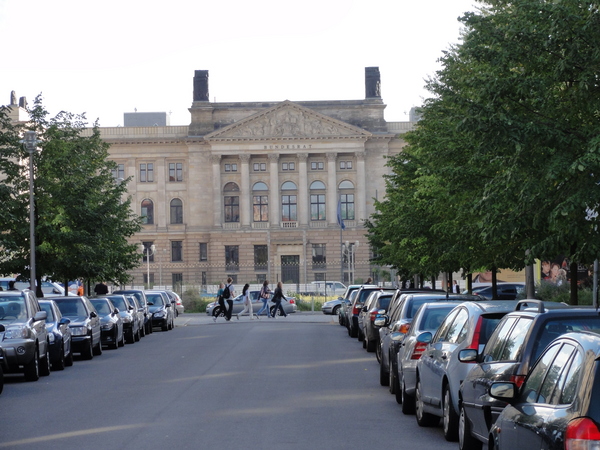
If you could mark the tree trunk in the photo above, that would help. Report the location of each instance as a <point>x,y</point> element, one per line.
<point>574,300</point>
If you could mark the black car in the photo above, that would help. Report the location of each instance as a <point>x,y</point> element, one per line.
<point>59,335</point>
<point>368,333</point>
<point>110,322</point>
<point>162,312</point>
<point>514,346</point>
<point>504,291</point>
<point>357,305</point>
<point>140,295</point>
<point>558,406</point>
<point>129,315</point>
<point>85,325</point>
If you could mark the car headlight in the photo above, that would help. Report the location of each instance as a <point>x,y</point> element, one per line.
<point>126,319</point>
<point>159,314</point>
<point>107,326</point>
<point>79,331</point>
<point>16,332</point>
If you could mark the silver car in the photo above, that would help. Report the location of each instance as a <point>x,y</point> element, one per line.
<point>213,309</point>
<point>24,341</point>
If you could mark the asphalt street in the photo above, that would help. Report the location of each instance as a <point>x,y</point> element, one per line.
<point>288,383</point>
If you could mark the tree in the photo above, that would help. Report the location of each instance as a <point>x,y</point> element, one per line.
<point>82,222</point>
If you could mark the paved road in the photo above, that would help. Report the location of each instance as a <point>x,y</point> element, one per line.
<point>287,383</point>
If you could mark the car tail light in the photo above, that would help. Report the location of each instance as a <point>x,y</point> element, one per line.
<point>356,309</point>
<point>404,328</point>
<point>476,334</point>
<point>291,301</point>
<point>518,379</point>
<point>373,314</point>
<point>418,350</point>
<point>582,434</point>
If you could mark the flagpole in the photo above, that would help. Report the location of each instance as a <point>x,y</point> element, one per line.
<point>341,256</point>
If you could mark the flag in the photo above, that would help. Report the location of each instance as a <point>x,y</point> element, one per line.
<point>339,215</point>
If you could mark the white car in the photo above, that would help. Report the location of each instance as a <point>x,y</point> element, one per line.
<point>213,309</point>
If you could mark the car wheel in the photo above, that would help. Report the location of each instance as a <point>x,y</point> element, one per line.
<point>384,376</point>
<point>69,359</point>
<point>149,329</point>
<point>122,341</point>
<point>45,363</point>
<point>360,336</point>
<point>378,351</point>
<point>59,364</point>
<point>408,402</point>
<point>115,343</point>
<point>423,419</point>
<point>130,337</point>
<point>394,386</point>
<point>450,417</point>
<point>88,352</point>
<point>97,350</point>
<point>353,331</point>
<point>136,336</point>
<point>32,369</point>
<point>371,345</point>
<point>466,441</point>
<point>336,311</point>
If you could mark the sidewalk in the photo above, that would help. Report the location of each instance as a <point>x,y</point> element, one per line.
<point>187,319</point>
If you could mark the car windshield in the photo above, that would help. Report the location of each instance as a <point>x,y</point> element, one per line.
<point>102,307</point>
<point>155,299</point>
<point>12,308</point>
<point>71,308</point>
<point>119,303</point>
<point>554,328</point>
<point>433,318</point>
<point>50,314</point>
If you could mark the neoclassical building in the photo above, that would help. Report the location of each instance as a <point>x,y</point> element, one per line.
<point>254,190</point>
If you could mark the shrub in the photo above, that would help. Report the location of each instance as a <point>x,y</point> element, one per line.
<point>193,302</point>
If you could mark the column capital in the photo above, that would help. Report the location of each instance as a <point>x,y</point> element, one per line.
<point>361,155</point>
<point>215,159</point>
<point>273,157</point>
<point>302,157</point>
<point>244,157</point>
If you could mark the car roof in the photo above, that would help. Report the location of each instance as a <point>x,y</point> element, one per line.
<point>492,306</point>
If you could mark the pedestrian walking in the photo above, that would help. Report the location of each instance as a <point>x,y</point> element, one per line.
<point>221,302</point>
<point>277,298</point>
<point>247,303</point>
<point>228,295</point>
<point>265,293</point>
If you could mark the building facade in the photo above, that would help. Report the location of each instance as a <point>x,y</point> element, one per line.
<point>258,190</point>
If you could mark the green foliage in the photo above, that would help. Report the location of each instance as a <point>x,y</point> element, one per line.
<point>193,302</point>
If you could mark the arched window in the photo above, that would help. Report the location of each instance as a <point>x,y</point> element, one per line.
<point>231,200</point>
<point>289,207</point>
<point>176,211</point>
<point>347,199</point>
<point>260,202</point>
<point>147,212</point>
<point>317,200</point>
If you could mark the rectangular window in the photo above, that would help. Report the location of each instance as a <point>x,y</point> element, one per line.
<point>203,251</point>
<point>233,276</point>
<point>317,165</point>
<point>288,208</point>
<point>260,208</point>
<point>288,166</point>
<point>176,251</point>
<point>148,251</point>
<point>317,207</point>
<point>176,172</point>
<point>318,256</point>
<point>119,172</point>
<point>319,276</point>
<point>230,167</point>
<point>147,173</point>
<point>261,257</point>
<point>232,257</point>
<point>177,281</point>
<point>345,165</point>
<point>260,278</point>
<point>260,167</point>
<point>232,209</point>
<point>347,206</point>
<point>146,278</point>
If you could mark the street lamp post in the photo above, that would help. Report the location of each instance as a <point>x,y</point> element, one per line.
<point>30,142</point>
<point>148,251</point>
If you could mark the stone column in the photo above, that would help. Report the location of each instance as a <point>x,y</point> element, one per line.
<point>245,190</point>
<point>302,189</point>
<point>274,200</point>
<point>332,190</point>
<point>361,186</point>
<point>217,195</point>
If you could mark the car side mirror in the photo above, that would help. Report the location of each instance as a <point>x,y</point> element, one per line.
<point>150,303</point>
<point>468,355</point>
<point>380,321</point>
<point>2,329</point>
<point>40,315</point>
<point>364,309</point>
<point>116,311</point>
<point>425,337</point>
<point>93,314</point>
<point>130,308</point>
<point>168,305</point>
<point>65,321</point>
<point>504,391</point>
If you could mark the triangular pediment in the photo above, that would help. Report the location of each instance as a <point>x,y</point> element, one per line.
<point>287,120</point>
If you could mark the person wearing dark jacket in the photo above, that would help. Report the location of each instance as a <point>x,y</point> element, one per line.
<point>277,298</point>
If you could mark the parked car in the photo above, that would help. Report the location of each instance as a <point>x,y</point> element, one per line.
<point>439,371</point>
<point>346,303</point>
<point>59,335</point>
<point>111,323</point>
<point>49,288</point>
<point>326,288</point>
<point>332,306</point>
<point>557,406</point>
<point>429,317</point>
<point>213,309</point>
<point>505,291</point>
<point>394,326</point>
<point>141,312</point>
<point>85,325</point>
<point>377,303</point>
<point>25,343</point>
<point>162,311</point>
<point>515,345</point>
<point>357,304</point>
<point>132,322</point>
<point>179,308</point>
<point>140,295</point>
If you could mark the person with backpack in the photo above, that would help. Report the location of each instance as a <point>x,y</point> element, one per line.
<point>277,298</point>
<point>228,295</point>
<point>265,293</point>
<point>247,303</point>
<point>221,302</point>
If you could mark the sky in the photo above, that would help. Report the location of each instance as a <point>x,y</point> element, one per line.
<point>115,56</point>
